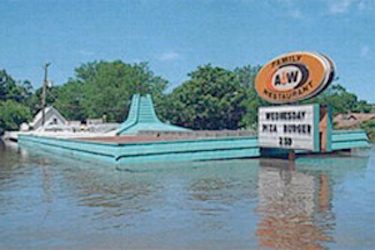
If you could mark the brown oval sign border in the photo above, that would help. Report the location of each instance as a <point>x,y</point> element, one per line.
<point>294,77</point>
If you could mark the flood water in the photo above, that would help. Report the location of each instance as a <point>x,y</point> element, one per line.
<point>52,202</point>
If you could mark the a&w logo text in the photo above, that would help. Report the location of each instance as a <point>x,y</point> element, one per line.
<point>289,77</point>
<point>294,77</point>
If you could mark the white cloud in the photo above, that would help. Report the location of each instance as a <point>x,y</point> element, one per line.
<point>169,56</point>
<point>339,6</point>
<point>344,6</point>
<point>362,5</point>
<point>85,52</point>
<point>294,8</point>
<point>295,13</point>
<point>291,7</point>
<point>365,52</point>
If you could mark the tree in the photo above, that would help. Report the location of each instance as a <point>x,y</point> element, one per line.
<point>211,99</point>
<point>251,104</point>
<point>69,101</point>
<point>362,107</point>
<point>339,100</point>
<point>246,76</point>
<point>9,89</point>
<point>12,99</point>
<point>106,88</point>
<point>12,114</point>
<point>369,127</point>
<point>34,102</point>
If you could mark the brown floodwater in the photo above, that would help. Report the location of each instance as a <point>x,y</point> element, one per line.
<point>52,202</point>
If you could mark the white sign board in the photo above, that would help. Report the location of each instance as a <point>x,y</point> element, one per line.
<point>290,127</point>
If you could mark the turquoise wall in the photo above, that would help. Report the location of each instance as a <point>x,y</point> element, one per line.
<point>130,153</point>
<point>169,151</point>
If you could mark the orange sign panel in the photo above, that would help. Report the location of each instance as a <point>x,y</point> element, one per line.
<point>294,77</point>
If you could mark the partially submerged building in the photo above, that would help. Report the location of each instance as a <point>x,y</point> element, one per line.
<point>352,120</point>
<point>143,138</point>
<point>51,117</point>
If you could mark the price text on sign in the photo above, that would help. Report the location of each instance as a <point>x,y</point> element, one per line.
<point>292,127</point>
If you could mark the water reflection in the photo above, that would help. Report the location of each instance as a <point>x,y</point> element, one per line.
<point>229,204</point>
<point>109,196</point>
<point>286,203</point>
<point>12,163</point>
<point>224,183</point>
<point>296,205</point>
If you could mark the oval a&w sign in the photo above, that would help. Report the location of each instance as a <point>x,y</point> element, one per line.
<point>294,77</point>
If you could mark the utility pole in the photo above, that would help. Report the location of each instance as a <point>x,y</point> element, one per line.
<point>45,83</point>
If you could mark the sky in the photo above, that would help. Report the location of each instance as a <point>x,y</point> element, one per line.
<point>176,36</point>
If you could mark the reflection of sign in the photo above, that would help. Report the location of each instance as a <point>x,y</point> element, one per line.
<point>293,77</point>
<point>288,202</point>
<point>291,127</point>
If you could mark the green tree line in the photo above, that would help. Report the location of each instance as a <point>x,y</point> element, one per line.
<point>211,98</point>
<point>14,107</point>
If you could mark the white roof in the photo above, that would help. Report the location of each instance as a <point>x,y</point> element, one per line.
<point>39,115</point>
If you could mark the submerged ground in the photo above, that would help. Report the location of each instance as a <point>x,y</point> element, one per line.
<point>49,202</point>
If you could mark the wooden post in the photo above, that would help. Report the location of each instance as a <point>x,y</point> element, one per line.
<point>291,159</point>
<point>324,193</point>
<point>323,123</point>
<point>45,83</point>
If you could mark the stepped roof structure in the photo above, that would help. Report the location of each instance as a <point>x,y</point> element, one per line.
<point>142,117</point>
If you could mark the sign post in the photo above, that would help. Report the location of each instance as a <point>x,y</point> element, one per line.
<point>287,79</point>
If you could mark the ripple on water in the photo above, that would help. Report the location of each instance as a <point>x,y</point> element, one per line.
<point>52,202</point>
